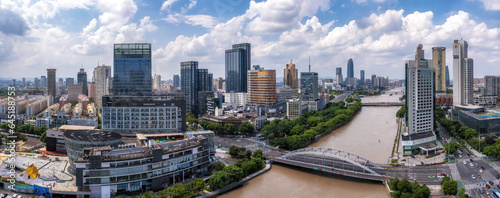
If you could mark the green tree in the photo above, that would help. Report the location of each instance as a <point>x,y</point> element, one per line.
<point>449,187</point>
<point>248,154</point>
<point>401,112</point>
<point>257,153</point>
<point>197,185</point>
<point>349,100</point>
<point>246,128</point>
<point>43,137</point>
<point>219,166</point>
<point>179,190</point>
<point>297,130</point>
<point>235,173</point>
<point>219,179</point>
<point>147,194</point>
<point>229,128</point>
<point>403,186</point>
<point>461,194</point>
<point>163,193</point>
<point>451,147</point>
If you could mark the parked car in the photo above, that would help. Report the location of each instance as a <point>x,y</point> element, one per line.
<point>472,165</point>
<point>491,183</point>
<point>471,160</point>
<point>465,162</point>
<point>480,170</point>
<point>487,186</point>
<point>482,167</point>
<point>404,160</point>
<point>473,176</point>
<point>431,177</point>
<point>443,174</point>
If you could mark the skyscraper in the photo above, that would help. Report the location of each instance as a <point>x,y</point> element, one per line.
<point>70,81</point>
<point>420,102</point>
<point>176,81</point>
<point>463,76</point>
<point>132,69</point>
<point>309,85</point>
<point>350,68</point>
<point>101,76</point>
<point>51,82</point>
<point>339,76</point>
<point>37,83</point>
<point>219,82</point>
<point>261,87</point>
<point>238,62</point>
<point>189,84</point>
<point>447,77</point>
<point>82,79</point>
<point>362,77</point>
<point>374,81</point>
<point>439,64</point>
<point>24,82</point>
<point>291,76</point>
<point>157,82</point>
<point>43,81</point>
<point>60,82</point>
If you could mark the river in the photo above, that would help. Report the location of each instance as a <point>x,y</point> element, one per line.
<point>369,134</point>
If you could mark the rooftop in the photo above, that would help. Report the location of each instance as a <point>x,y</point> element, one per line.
<point>418,136</point>
<point>92,135</point>
<point>75,127</point>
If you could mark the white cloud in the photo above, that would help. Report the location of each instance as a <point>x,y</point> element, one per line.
<point>91,26</point>
<point>192,3</point>
<point>491,4</point>
<point>167,4</point>
<point>205,21</point>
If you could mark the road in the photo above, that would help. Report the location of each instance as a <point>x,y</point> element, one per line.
<point>342,97</point>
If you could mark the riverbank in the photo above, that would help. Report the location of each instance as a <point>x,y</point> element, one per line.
<point>236,184</point>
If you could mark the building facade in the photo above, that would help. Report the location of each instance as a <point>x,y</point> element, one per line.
<point>491,86</point>
<point>238,62</point>
<point>339,76</point>
<point>236,99</point>
<point>439,64</point>
<point>70,81</point>
<point>176,80</point>
<point>419,103</point>
<point>463,78</point>
<point>144,114</point>
<point>101,76</point>
<point>350,69</point>
<point>73,92</point>
<point>308,85</point>
<point>132,69</point>
<point>447,77</point>
<point>362,77</point>
<point>261,87</point>
<point>291,76</point>
<point>82,79</point>
<point>51,82</point>
<point>157,82</point>
<point>219,82</point>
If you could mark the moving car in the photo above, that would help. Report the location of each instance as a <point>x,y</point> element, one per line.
<point>491,183</point>
<point>465,162</point>
<point>482,167</point>
<point>473,176</point>
<point>431,177</point>
<point>480,171</point>
<point>471,160</point>
<point>443,174</point>
<point>472,165</point>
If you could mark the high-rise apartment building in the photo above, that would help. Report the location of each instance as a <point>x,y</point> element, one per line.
<point>24,82</point>
<point>194,80</point>
<point>176,81</point>
<point>339,76</point>
<point>350,69</point>
<point>463,76</point>
<point>361,77</point>
<point>219,83</point>
<point>420,102</point>
<point>51,82</point>
<point>261,87</point>
<point>91,95</point>
<point>101,76</point>
<point>491,86</point>
<point>132,69</point>
<point>157,82</point>
<point>309,85</point>
<point>291,76</point>
<point>60,82</point>
<point>82,79</point>
<point>447,77</point>
<point>439,64</point>
<point>238,62</point>
<point>37,83</point>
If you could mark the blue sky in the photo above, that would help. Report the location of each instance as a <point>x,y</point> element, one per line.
<point>378,34</point>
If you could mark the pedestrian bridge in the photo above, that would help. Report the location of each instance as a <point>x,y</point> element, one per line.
<point>334,161</point>
<point>383,104</point>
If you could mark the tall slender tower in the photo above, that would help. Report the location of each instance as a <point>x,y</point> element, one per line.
<point>238,62</point>
<point>339,75</point>
<point>350,68</point>
<point>82,78</point>
<point>361,77</point>
<point>463,76</point>
<point>439,64</point>
<point>51,82</point>
<point>291,75</point>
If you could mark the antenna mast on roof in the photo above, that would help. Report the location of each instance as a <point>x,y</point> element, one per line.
<point>309,64</point>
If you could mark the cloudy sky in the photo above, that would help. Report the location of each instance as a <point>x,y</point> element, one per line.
<point>379,35</point>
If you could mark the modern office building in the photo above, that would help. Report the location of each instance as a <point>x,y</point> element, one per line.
<point>91,87</point>
<point>361,77</point>
<point>37,83</point>
<point>339,76</point>
<point>203,80</point>
<point>82,78</point>
<point>463,76</point>
<point>374,80</point>
<point>219,82</point>
<point>439,64</point>
<point>189,84</point>
<point>419,103</point>
<point>24,82</point>
<point>291,76</point>
<point>156,82</point>
<point>294,108</point>
<point>51,82</point>
<point>176,80</point>
<point>60,82</point>
<point>43,81</point>
<point>236,99</point>
<point>238,62</point>
<point>70,81</point>
<point>108,164</point>
<point>261,87</point>
<point>132,69</point>
<point>101,76</point>
<point>447,77</point>
<point>350,69</point>
<point>284,94</point>
<point>309,85</point>
<point>144,114</point>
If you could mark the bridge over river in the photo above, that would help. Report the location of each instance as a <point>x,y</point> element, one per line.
<point>384,104</point>
<point>351,165</point>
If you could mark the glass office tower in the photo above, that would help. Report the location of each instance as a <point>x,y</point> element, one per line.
<point>132,69</point>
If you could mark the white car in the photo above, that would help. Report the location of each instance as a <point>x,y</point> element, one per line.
<point>465,162</point>
<point>473,177</point>
<point>480,170</point>
<point>471,164</point>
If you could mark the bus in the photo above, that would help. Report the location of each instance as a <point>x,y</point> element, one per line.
<point>496,193</point>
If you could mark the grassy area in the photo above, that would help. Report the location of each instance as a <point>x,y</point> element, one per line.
<point>453,161</point>
<point>460,185</point>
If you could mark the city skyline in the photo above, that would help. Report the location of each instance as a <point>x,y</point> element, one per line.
<point>373,33</point>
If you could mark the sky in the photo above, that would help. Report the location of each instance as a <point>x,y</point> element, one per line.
<point>379,35</point>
